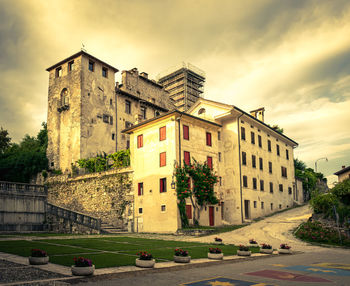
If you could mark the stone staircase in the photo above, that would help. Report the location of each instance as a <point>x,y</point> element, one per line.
<point>110,229</point>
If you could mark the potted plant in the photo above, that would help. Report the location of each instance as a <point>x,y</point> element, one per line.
<point>215,253</point>
<point>181,256</point>
<point>284,249</point>
<point>82,267</point>
<point>217,240</point>
<point>253,243</point>
<point>243,250</point>
<point>145,260</point>
<point>38,257</point>
<point>266,248</point>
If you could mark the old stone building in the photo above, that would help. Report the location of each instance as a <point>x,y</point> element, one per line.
<point>87,110</point>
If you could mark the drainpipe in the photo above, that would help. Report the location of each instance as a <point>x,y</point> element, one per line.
<point>240,167</point>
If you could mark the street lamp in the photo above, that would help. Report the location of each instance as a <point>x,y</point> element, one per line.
<point>323,158</point>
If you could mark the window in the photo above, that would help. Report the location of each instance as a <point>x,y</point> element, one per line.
<point>105,72</point>
<point>140,210</point>
<point>287,154</point>
<point>219,156</point>
<point>269,145</point>
<point>280,206</point>
<point>284,172</point>
<point>186,133</point>
<point>261,185</point>
<point>270,167</point>
<point>289,190</point>
<point>143,112</point>
<point>189,211</point>
<point>162,159</point>
<point>219,135</point>
<point>187,158</point>
<point>113,136</point>
<point>162,185</point>
<point>244,158</point>
<point>105,118</point>
<point>271,206</point>
<point>110,102</point>
<point>255,204</point>
<point>242,133</point>
<point>253,161</point>
<point>127,106</point>
<point>140,141</point>
<point>271,187</point>
<point>262,205</point>
<point>128,124</point>
<point>91,66</point>
<point>278,149</point>
<point>252,137</point>
<point>156,113</point>
<point>254,184</point>
<point>259,141</point>
<point>208,136</point>
<point>58,72</point>
<point>220,181</point>
<point>162,133</point>
<point>71,66</point>
<point>127,144</point>
<point>245,181</point>
<point>163,208</point>
<point>261,167</point>
<point>281,188</point>
<point>140,189</point>
<point>210,162</point>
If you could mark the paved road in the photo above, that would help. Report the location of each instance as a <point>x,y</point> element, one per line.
<point>311,268</point>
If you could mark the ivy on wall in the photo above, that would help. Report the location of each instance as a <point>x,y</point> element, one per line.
<point>200,193</point>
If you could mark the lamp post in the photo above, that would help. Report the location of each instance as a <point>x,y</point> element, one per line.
<point>323,158</point>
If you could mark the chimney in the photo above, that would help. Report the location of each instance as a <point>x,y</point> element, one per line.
<point>258,113</point>
<point>343,167</point>
<point>144,74</point>
<point>135,71</point>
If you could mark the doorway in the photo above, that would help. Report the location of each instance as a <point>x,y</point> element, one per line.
<point>247,209</point>
<point>211,216</point>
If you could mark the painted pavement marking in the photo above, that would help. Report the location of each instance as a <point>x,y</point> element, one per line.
<point>319,270</point>
<point>333,265</point>
<point>281,275</point>
<point>222,281</point>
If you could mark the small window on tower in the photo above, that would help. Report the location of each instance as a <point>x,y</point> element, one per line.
<point>91,66</point>
<point>59,72</point>
<point>71,66</point>
<point>104,72</point>
<point>113,136</point>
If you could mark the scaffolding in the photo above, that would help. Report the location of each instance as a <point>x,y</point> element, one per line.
<point>185,84</point>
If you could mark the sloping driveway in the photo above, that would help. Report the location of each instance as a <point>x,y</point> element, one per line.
<point>273,230</point>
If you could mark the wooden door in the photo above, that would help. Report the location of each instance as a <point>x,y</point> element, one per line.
<point>211,216</point>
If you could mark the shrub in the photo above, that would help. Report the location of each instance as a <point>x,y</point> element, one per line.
<point>243,248</point>
<point>266,246</point>
<point>143,255</point>
<point>285,246</point>
<point>324,203</point>
<point>252,241</point>
<point>218,239</point>
<point>82,262</point>
<point>181,252</point>
<point>38,253</point>
<point>215,250</point>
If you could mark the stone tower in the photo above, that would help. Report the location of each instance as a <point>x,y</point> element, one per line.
<point>81,110</point>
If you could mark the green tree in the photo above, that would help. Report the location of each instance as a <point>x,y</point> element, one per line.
<point>5,140</point>
<point>20,162</point>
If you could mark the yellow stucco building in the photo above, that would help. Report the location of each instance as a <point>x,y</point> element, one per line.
<point>254,163</point>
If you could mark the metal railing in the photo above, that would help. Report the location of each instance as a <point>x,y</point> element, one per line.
<point>22,187</point>
<point>76,217</point>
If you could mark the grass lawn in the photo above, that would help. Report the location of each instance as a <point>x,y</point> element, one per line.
<point>110,251</point>
<point>216,230</point>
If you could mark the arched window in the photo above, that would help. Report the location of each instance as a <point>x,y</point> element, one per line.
<point>64,97</point>
<point>157,113</point>
<point>201,111</point>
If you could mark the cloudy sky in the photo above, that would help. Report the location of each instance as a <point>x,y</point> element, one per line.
<point>292,57</point>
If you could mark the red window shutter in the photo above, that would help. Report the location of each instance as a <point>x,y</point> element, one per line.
<point>208,138</point>
<point>162,133</point>
<point>186,133</point>
<point>189,183</point>
<point>210,162</point>
<point>161,185</point>
<point>187,158</point>
<point>140,189</point>
<point>162,159</point>
<point>189,211</point>
<point>140,141</point>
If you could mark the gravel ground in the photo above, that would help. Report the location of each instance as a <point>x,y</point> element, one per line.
<point>13,272</point>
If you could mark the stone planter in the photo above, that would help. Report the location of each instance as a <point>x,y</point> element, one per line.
<point>266,250</point>
<point>182,259</point>
<point>284,251</point>
<point>244,253</point>
<point>216,256</point>
<point>83,271</point>
<point>145,263</point>
<point>218,242</point>
<point>38,260</point>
